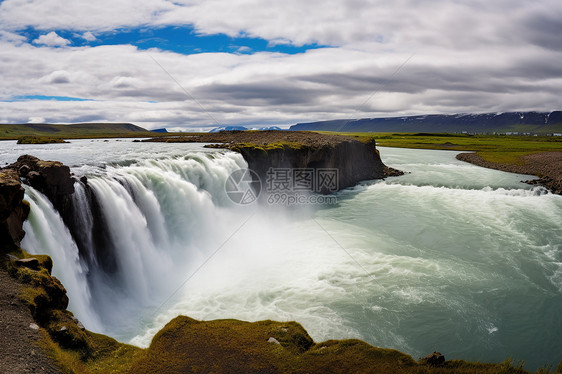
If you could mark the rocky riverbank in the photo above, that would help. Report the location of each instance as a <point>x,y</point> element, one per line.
<point>547,166</point>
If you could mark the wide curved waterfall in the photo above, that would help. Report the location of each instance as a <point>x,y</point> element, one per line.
<point>135,228</point>
<point>449,257</point>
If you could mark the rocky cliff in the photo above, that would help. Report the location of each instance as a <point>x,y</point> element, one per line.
<point>40,293</point>
<point>52,178</point>
<point>13,210</point>
<point>354,160</point>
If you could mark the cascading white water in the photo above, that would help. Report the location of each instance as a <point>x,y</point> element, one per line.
<point>454,258</point>
<point>84,221</point>
<point>46,233</point>
<point>159,218</point>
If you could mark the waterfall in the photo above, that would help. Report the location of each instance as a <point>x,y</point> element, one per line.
<point>134,232</point>
<point>46,233</point>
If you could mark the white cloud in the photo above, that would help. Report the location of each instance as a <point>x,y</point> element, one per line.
<point>56,77</point>
<point>267,88</point>
<point>244,49</point>
<point>36,120</point>
<point>12,37</point>
<point>52,39</point>
<point>89,36</point>
<point>80,15</point>
<point>409,23</point>
<point>469,56</point>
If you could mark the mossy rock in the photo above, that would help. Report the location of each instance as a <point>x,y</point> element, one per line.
<point>41,293</point>
<point>64,330</point>
<point>291,336</point>
<point>247,147</point>
<point>40,140</point>
<point>286,145</point>
<point>232,346</point>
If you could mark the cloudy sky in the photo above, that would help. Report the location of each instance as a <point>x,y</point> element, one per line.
<point>205,63</point>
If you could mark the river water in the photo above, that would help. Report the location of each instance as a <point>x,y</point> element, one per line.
<point>449,257</point>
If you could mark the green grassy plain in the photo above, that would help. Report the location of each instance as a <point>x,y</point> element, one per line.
<point>494,148</point>
<point>74,131</point>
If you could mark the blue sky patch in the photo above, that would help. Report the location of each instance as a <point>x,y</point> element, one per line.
<point>44,97</point>
<point>184,40</point>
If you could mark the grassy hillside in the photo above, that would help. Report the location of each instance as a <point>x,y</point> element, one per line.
<point>74,131</point>
<point>487,123</point>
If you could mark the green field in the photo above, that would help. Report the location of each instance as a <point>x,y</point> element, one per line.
<point>494,148</point>
<point>74,131</point>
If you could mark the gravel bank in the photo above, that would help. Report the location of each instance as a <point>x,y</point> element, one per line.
<point>547,166</point>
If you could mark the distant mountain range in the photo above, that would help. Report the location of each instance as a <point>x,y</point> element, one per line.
<point>242,128</point>
<point>522,122</point>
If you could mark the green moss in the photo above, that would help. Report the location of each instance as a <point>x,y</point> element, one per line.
<point>110,356</point>
<point>69,362</point>
<point>187,345</point>
<point>241,147</point>
<point>75,350</point>
<point>291,336</point>
<point>249,146</point>
<point>286,145</point>
<point>106,355</point>
<point>66,332</point>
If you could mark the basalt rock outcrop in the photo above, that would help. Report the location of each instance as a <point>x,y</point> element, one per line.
<point>13,210</point>
<point>42,293</point>
<point>51,178</point>
<point>353,160</point>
